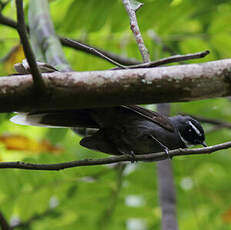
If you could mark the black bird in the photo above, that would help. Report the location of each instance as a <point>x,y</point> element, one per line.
<point>128,130</point>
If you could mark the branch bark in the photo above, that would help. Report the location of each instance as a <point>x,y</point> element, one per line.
<point>109,88</point>
<point>110,160</point>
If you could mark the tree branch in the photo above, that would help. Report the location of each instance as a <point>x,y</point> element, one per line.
<point>21,27</point>
<point>167,60</point>
<point>110,160</point>
<point>81,46</point>
<point>110,88</point>
<point>100,54</point>
<point>3,4</point>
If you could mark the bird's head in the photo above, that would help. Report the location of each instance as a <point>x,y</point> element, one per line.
<point>190,130</point>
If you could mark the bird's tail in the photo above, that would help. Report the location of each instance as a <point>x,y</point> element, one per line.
<point>56,119</point>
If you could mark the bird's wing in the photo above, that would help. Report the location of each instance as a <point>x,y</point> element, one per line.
<point>83,118</point>
<point>153,116</point>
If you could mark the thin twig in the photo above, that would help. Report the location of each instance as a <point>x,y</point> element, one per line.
<point>97,52</point>
<point>21,27</point>
<point>136,31</point>
<point>110,160</point>
<point>93,50</point>
<point>3,4</point>
<point>168,60</point>
<point>7,21</point>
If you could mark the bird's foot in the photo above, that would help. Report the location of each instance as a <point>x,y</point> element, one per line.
<point>132,156</point>
<point>166,150</point>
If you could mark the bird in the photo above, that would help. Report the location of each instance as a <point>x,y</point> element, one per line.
<point>123,130</point>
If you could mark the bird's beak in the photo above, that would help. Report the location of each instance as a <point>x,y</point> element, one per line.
<point>204,144</point>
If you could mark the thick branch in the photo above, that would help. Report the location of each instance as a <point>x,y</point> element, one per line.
<point>108,88</point>
<point>110,160</point>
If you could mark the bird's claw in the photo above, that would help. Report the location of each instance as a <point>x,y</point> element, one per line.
<point>166,150</point>
<point>132,157</point>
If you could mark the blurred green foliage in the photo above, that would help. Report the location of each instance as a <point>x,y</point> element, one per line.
<point>91,197</point>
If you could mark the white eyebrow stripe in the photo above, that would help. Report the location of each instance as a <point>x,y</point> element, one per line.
<point>195,128</point>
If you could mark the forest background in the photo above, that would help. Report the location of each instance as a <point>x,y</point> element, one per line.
<point>102,197</point>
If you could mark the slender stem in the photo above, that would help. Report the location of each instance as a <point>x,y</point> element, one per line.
<point>110,160</point>
<point>136,31</point>
<point>93,50</point>
<point>96,51</point>
<point>21,27</point>
<point>168,60</point>
<point>3,4</point>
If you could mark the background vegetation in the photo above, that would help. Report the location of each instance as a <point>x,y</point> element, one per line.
<point>102,197</point>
